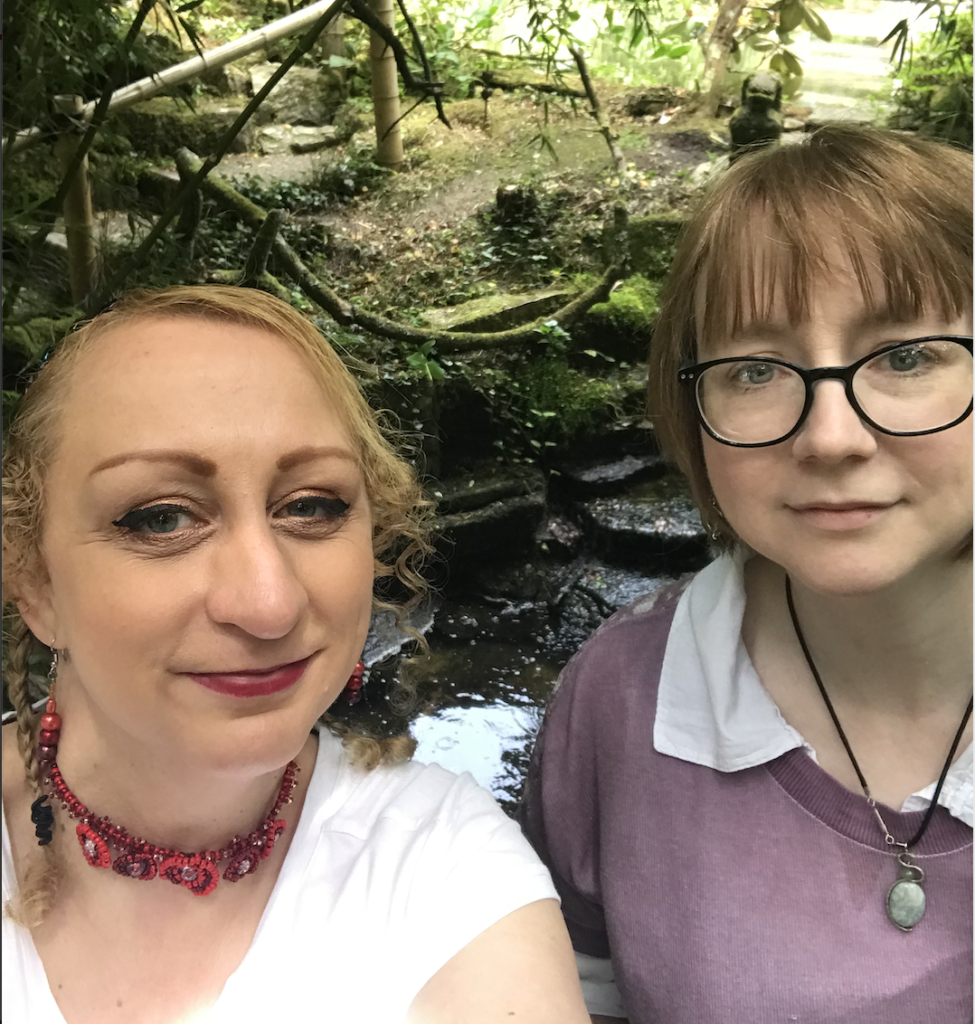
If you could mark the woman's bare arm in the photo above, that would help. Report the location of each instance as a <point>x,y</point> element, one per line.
<point>519,971</point>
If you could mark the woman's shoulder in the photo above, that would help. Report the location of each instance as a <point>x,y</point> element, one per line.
<point>407,796</point>
<point>628,645</point>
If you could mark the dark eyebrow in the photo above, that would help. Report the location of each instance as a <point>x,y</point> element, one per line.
<point>200,466</point>
<point>194,463</point>
<point>310,453</point>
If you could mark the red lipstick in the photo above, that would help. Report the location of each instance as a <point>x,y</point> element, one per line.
<point>248,683</point>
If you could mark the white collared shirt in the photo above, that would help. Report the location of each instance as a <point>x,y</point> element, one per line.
<point>713,710</point>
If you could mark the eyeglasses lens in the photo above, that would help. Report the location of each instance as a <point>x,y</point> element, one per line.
<point>916,387</point>
<point>749,402</point>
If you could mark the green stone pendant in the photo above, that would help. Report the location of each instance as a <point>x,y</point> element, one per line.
<point>905,898</point>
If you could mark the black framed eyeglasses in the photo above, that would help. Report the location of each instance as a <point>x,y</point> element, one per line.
<point>906,389</point>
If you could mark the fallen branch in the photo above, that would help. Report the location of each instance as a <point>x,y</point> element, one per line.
<point>256,264</point>
<point>496,80</point>
<point>347,315</point>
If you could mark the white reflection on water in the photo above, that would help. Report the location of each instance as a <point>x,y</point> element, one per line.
<point>476,739</point>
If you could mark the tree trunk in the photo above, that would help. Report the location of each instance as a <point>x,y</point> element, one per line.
<point>718,51</point>
<point>385,91</point>
<point>79,219</point>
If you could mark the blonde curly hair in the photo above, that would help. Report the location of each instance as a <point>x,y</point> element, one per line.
<point>401,514</point>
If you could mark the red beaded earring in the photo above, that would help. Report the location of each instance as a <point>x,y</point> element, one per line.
<point>50,734</point>
<point>353,688</point>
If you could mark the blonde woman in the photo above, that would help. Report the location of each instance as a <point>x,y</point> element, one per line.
<point>197,501</point>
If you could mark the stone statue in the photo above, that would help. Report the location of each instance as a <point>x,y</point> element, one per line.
<point>758,121</point>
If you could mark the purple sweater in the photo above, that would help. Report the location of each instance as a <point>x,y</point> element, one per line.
<point>755,896</point>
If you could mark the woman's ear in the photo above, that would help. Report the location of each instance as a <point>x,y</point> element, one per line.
<point>37,611</point>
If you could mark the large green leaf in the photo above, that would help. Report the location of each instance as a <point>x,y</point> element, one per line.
<point>792,63</point>
<point>759,44</point>
<point>679,30</point>
<point>791,16</point>
<point>817,26</point>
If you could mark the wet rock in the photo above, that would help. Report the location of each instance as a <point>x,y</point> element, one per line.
<point>604,478</point>
<point>387,637</point>
<point>560,536</point>
<point>656,527</point>
<point>502,530</point>
<point>488,484</point>
<point>498,312</point>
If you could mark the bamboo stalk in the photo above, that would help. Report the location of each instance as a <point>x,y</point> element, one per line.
<point>79,218</point>
<point>146,88</point>
<point>385,90</point>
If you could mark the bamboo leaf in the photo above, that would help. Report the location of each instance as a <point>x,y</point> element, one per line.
<point>899,29</point>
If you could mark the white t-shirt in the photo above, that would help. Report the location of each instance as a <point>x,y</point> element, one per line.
<point>389,874</point>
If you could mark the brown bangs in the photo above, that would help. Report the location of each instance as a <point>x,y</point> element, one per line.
<point>895,208</point>
<point>777,223</point>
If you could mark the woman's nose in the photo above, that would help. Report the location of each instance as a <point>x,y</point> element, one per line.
<point>833,430</point>
<point>255,586</point>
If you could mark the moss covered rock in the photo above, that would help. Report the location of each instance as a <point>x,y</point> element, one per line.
<point>621,327</point>
<point>653,240</point>
<point>158,127</point>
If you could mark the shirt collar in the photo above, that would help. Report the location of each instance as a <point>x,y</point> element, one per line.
<point>712,709</point>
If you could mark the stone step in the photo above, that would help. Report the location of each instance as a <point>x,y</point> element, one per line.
<point>655,527</point>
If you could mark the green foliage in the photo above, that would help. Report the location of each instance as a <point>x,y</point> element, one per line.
<point>935,96</point>
<point>421,362</point>
<point>558,403</point>
<point>294,196</point>
<point>653,241</point>
<point>72,46</point>
<point>631,308</point>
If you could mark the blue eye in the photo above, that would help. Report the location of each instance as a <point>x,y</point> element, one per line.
<point>314,507</point>
<point>157,519</point>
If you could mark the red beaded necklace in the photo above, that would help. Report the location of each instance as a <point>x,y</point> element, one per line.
<point>139,859</point>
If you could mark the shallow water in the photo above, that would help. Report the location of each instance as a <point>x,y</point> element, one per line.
<point>491,668</point>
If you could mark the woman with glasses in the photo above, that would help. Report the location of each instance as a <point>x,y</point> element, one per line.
<point>754,787</point>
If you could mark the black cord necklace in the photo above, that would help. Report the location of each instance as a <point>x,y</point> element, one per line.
<point>905,898</point>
